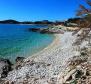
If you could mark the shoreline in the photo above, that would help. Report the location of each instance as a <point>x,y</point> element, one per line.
<point>49,62</point>
<point>55,40</point>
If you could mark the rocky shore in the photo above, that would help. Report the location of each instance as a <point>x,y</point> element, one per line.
<point>66,61</point>
<point>46,30</point>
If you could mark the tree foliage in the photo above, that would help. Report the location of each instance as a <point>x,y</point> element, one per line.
<point>83,9</point>
<point>85,12</point>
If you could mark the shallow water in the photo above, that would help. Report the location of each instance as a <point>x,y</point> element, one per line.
<point>15,41</point>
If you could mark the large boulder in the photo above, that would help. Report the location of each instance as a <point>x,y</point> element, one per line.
<point>5,67</point>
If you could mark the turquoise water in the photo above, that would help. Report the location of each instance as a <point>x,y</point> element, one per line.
<point>16,41</point>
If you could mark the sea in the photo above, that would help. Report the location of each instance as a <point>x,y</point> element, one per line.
<point>17,41</point>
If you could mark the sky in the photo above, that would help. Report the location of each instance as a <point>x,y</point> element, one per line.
<point>36,10</point>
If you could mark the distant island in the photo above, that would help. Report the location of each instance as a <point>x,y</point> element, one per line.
<point>68,22</point>
<point>10,21</point>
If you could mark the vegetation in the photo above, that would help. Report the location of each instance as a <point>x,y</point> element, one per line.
<point>85,13</point>
<point>9,22</point>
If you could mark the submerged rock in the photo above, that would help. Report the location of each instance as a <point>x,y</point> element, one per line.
<point>5,67</point>
<point>34,29</point>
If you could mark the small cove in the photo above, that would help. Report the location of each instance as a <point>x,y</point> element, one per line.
<point>16,41</point>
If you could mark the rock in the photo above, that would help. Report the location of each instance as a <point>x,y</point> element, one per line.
<point>76,60</point>
<point>78,74</point>
<point>44,31</point>
<point>19,61</point>
<point>63,78</point>
<point>32,63</point>
<point>87,73</point>
<point>6,82</point>
<point>83,53</point>
<point>69,74</point>
<point>48,64</point>
<point>5,67</point>
<point>2,81</point>
<point>52,80</point>
<point>34,29</point>
<point>51,31</point>
<point>70,78</point>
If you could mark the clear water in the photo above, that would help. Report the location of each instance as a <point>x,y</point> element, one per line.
<point>16,41</point>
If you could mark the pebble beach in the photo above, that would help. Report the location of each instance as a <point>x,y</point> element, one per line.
<point>45,66</point>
